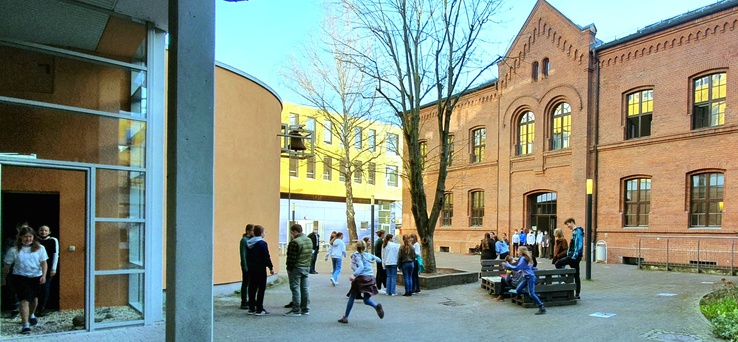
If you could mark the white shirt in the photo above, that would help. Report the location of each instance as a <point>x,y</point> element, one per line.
<point>417,248</point>
<point>26,263</point>
<point>390,254</point>
<point>338,249</point>
<point>531,238</point>
<point>516,238</point>
<point>539,237</point>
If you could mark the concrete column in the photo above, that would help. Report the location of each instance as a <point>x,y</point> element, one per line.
<point>190,157</point>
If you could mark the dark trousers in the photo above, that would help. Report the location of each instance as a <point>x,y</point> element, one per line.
<point>43,295</point>
<point>381,276</point>
<point>312,261</point>
<point>416,276</point>
<point>257,286</point>
<point>573,263</point>
<point>244,288</point>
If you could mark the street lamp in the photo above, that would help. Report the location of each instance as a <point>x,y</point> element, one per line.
<point>293,214</point>
<point>590,185</point>
<point>372,218</point>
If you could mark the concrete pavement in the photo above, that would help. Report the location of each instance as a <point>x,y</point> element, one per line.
<point>648,306</point>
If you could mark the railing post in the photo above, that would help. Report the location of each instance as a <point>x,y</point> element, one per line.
<point>698,256</point>
<point>667,254</point>
<point>639,254</point>
<point>732,258</point>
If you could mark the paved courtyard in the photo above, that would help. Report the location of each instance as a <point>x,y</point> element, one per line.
<point>648,306</point>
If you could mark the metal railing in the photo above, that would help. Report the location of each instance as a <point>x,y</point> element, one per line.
<point>684,251</point>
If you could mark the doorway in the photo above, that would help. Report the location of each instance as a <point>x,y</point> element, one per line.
<point>543,217</point>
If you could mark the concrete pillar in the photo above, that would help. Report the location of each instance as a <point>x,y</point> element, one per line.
<point>190,157</point>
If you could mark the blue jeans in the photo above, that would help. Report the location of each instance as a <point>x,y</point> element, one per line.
<point>336,268</point>
<point>391,279</point>
<point>298,277</point>
<point>530,283</point>
<point>352,296</point>
<point>407,276</point>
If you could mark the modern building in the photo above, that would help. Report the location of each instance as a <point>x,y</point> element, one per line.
<point>83,149</point>
<point>651,118</point>
<point>313,190</point>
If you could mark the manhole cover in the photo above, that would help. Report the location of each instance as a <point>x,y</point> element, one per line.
<point>666,336</point>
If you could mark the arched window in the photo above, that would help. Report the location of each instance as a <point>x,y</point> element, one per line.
<point>477,208</point>
<point>709,100</point>
<point>479,138</point>
<point>706,200</point>
<point>637,202</point>
<point>534,74</point>
<point>545,67</point>
<point>640,114</point>
<point>526,133</point>
<point>561,126</point>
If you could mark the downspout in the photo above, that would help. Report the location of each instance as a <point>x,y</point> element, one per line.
<point>596,60</point>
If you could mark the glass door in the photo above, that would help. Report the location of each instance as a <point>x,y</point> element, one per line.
<point>57,198</point>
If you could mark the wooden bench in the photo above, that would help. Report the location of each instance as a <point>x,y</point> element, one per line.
<point>490,275</point>
<point>554,287</point>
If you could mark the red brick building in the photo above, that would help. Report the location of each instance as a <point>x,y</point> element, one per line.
<point>651,118</point>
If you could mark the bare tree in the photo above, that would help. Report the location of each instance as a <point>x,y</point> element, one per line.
<point>425,51</point>
<point>345,101</point>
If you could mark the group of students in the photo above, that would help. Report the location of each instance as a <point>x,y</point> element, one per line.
<point>538,243</point>
<point>521,278</point>
<point>493,246</point>
<point>29,265</point>
<point>255,260</point>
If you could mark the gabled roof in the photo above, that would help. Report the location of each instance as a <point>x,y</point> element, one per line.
<point>665,24</point>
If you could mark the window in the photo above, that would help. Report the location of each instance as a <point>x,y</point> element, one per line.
<point>709,101</point>
<point>327,168</point>
<point>640,114</point>
<point>392,143</point>
<point>637,202</point>
<point>477,208</point>
<point>294,166</point>
<point>294,119</point>
<point>311,167</point>
<point>342,171</point>
<point>310,126</point>
<point>357,172</point>
<point>327,132</point>
<point>534,74</point>
<point>423,153</point>
<point>545,67</point>
<point>357,138</point>
<point>450,142</point>
<point>479,137</point>
<point>372,173</point>
<point>526,133</point>
<point>448,209</point>
<point>391,175</point>
<point>706,203</point>
<point>372,139</point>
<point>561,126</point>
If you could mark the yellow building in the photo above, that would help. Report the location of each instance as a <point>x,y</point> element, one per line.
<point>313,191</point>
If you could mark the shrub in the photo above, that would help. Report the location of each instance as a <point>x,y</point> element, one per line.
<point>721,308</point>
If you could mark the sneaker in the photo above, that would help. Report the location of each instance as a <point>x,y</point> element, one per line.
<point>306,312</point>
<point>262,313</point>
<point>33,321</point>
<point>242,307</point>
<point>250,312</point>
<point>541,311</point>
<point>343,320</point>
<point>25,330</point>
<point>380,311</point>
<point>513,291</point>
<point>382,291</point>
<point>394,294</point>
<point>292,314</point>
<point>313,272</point>
<point>577,297</point>
<point>333,282</point>
<point>287,306</point>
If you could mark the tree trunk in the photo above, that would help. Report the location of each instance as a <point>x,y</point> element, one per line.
<point>429,254</point>
<point>350,213</point>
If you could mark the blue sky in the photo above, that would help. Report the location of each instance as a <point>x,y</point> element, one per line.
<point>257,36</point>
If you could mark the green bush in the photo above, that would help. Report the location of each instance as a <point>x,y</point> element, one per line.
<point>721,308</point>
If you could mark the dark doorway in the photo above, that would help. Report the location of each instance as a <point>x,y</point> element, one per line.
<point>37,209</point>
<point>543,216</point>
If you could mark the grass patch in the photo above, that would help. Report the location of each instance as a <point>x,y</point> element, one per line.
<point>721,308</point>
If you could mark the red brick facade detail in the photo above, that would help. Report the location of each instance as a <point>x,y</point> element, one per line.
<point>595,83</point>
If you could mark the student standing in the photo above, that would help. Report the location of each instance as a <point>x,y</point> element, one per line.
<point>390,252</point>
<point>574,253</point>
<point>337,253</point>
<point>381,273</point>
<point>51,244</point>
<point>243,248</point>
<point>406,260</point>
<point>315,239</point>
<point>28,259</point>
<point>299,256</point>
<point>258,260</point>
<point>416,263</point>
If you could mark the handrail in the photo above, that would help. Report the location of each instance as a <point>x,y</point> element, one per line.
<point>650,251</point>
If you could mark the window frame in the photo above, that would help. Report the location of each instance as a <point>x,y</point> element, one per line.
<point>535,70</point>
<point>327,168</point>
<point>478,148</point>
<point>530,134</point>
<point>391,171</point>
<point>342,170</point>
<point>476,208</point>
<point>372,140</point>
<point>450,143</point>
<point>328,132</point>
<point>645,111</point>
<point>393,144</point>
<point>423,147</point>
<point>310,168</point>
<point>294,167</point>
<point>721,102</point>
<point>294,119</point>
<point>358,142</point>
<point>372,174</point>
<point>718,202</point>
<point>564,141</point>
<point>639,203</point>
<point>447,212</point>
<point>358,172</point>
<point>545,67</point>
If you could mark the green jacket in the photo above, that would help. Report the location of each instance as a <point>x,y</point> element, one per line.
<point>299,252</point>
<point>244,249</point>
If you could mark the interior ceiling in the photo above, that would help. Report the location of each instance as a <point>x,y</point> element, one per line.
<point>62,23</point>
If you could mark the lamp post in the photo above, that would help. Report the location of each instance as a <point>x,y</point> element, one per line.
<point>372,218</point>
<point>590,185</point>
<point>293,214</point>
